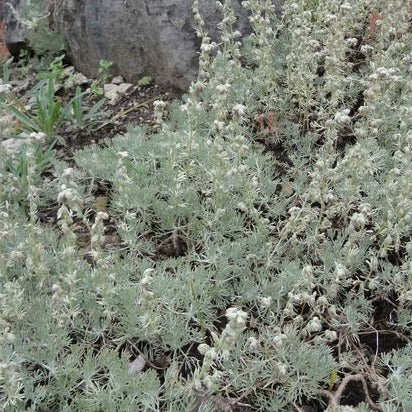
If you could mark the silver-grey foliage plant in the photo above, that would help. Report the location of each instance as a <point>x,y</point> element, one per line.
<point>263,252</point>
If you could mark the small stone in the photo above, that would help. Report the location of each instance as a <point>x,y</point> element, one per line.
<point>68,71</point>
<point>74,80</point>
<point>137,365</point>
<point>111,93</point>
<point>124,88</point>
<point>80,78</point>
<point>114,92</point>
<point>118,80</point>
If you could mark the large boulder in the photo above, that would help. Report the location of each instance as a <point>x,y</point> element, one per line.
<point>141,37</point>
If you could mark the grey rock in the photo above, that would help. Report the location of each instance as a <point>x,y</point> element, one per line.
<point>137,365</point>
<point>76,79</point>
<point>141,37</point>
<point>113,92</point>
<point>118,80</point>
<point>124,88</point>
<point>110,93</point>
<point>16,31</point>
<point>68,71</point>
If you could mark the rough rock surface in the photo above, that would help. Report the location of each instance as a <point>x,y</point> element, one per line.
<point>141,37</point>
<point>15,34</point>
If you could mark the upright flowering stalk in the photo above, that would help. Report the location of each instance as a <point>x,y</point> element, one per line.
<point>194,105</point>
<point>70,202</point>
<point>97,237</point>
<point>262,17</point>
<point>159,110</point>
<point>32,191</point>
<point>223,345</point>
<point>229,35</point>
<point>123,180</point>
<point>149,304</point>
<point>206,48</point>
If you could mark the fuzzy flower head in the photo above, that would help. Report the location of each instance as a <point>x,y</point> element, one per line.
<point>223,89</point>
<point>237,317</point>
<point>159,110</point>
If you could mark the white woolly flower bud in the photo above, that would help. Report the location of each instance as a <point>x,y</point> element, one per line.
<point>102,216</point>
<point>241,206</point>
<point>280,339</point>
<point>239,109</point>
<point>365,208</point>
<point>253,343</point>
<point>298,319</point>
<point>37,136</point>
<point>147,294</point>
<point>223,88</point>
<point>345,7</point>
<point>342,118</point>
<point>147,278</point>
<point>218,125</point>
<point>322,300</point>
<point>145,281</point>
<point>68,173</point>
<point>148,271</point>
<point>265,302</point>
<point>307,271</point>
<point>352,41</point>
<point>159,108</point>
<point>366,49</point>
<point>202,348</point>
<point>237,315</point>
<point>65,196</point>
<point>340,271</point>
<point>314,325</point>
<point>330,335</point>
<point>281,367</point>
<point>332,311</point>
<point>358,220</point>
<point>159,104</point>
<point>122,155</point>
<point>330,18</point>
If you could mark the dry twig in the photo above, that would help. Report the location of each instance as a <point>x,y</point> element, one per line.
<point>334,398</point>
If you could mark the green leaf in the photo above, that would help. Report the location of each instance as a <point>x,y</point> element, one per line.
<point>145,81</point>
